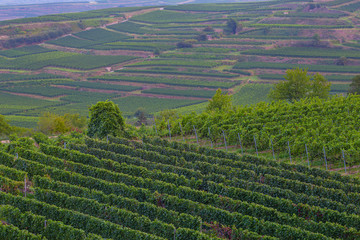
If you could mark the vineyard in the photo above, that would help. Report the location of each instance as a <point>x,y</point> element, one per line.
<point>156,189</point>
<point>143,56</point>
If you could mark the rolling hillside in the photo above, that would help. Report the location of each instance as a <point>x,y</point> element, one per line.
<point>157,189</point>
<point>171,56</point>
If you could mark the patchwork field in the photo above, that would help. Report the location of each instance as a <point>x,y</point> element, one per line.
<point>164,57</point>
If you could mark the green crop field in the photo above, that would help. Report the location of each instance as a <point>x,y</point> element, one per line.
<point>151,104</point>
<point>97,85</point>
<point>101,35</point>
<point>130,27</point>
<point>340,78</point>
<point>252,94</point>
<point>22,51</point>
<point>61,59</point>
<point>12,103</point>
<point>172,62</point>
<point>139,46</point>
<point>169,81</point>
<point>186,93</point>
<point>260,169</point>
<point>73,42</point>
<point>172,71</point>
<point>165,16</point>
<point>307,52</point>
<point>178,51</point>
<point>316,68</point>
<point>45,91</point>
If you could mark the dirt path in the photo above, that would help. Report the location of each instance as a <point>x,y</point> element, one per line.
<point>164,75</point>
<point>347,168</point>
<point>82,89</point>
<point>188,1</point>
<point>347,3</point>
<point>165,96</point>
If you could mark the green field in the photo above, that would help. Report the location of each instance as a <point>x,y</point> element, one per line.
<point>97,85</point>
<point>61,59</point>
<point>169,81</point>
<point>185,93</point>
<point>152,105</point>
<point>11,104</point>
<point>256,170</point>
<point>252,94</point>
<point>178,51</point>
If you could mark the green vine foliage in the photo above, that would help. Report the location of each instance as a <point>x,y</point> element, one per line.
<point>105,119</point>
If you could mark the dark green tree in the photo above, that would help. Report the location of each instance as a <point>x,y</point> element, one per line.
<point>209,29</point>
<point>355,85</point>
<point>232,26</point>
<point>140,114</point>
<point>342,61</point>
<point>105,119</point>
<point>202,37</point>
<point>298,84</point>
<point>316,41</point>
<point>156,52</point>
<point>219,102</point>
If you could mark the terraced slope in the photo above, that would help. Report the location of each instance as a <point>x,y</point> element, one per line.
<point>165,55</point>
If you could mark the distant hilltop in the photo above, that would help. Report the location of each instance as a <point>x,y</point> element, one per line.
<point>26,2</point>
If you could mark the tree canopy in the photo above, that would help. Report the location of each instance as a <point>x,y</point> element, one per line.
<point>5,128</point>
<point>219,102</point>
<point>298,84</point>
<point>50,123</point>
<point>105,119</point>
<point>355,85</point>
<point>232,26</point>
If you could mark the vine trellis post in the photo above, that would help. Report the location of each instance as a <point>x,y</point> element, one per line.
<point>307,155</point>
<point>326,165</point>
<point>343,155</point>
<point>242,151</point>
<point>155,126</point>
<point>25,186</point>
<point>169,129</point>
<point>197,140</point>
<point>289,151</point>
<point>272,148</point>
<point>210,138</point>
<point>225,140</point>
<point>182,134</point>
<point>257,154</point>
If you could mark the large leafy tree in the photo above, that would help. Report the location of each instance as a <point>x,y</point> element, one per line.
<point>232,26</point>
<point>298,84</point>
<point>105,119</point>
<point>219,102</point>
<point>355,85</point>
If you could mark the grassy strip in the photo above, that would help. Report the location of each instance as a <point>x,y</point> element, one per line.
<point>313,68</point>
<point>168,81</point>
<point>308,52</point>
<point>184,93</point>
